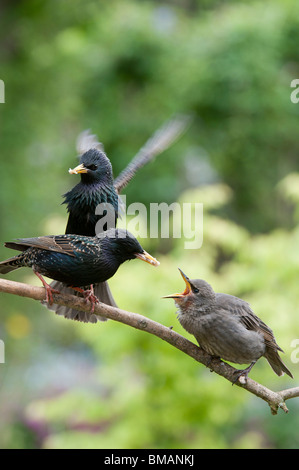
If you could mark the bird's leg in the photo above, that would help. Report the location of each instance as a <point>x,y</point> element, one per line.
<point>78,289</point>
<point>49,290</point>
<point>210,360</point>
<point>243,373</point>
<point>88,294</point>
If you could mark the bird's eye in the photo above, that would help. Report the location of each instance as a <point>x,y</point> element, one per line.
<point>92,167</point>
<point>195,290</point>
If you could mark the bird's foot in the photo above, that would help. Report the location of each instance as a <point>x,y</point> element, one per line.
<point>210,360</point>
<point>49,290</point>
<point>243,373</point>
<point>89,296</point>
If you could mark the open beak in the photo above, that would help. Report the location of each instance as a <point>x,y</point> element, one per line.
<point>147,258</point>
<point>186,291</point>
<point>79,169</point>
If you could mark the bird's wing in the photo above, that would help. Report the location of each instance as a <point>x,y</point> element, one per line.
<point>160,141</point>
<point>58,243</point>
<point>247,317</point>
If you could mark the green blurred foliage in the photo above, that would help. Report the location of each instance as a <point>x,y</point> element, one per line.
<point>122,68</point>
<point>99,65</point>
<point>129,389</point>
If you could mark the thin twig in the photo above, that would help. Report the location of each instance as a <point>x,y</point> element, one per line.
<point>275,400</point>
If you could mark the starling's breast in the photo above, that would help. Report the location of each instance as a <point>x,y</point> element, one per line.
<point>82,203</point>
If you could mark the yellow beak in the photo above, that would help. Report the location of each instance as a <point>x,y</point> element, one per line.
<point>186,291</point>
<point>147,258</point>
<point>79,169</point>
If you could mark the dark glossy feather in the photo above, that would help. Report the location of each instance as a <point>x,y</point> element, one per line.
<point>74,260</point>
<point>97,188</point>
<point>58,243</point>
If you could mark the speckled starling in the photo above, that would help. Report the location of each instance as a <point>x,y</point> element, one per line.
<point>76,260</point>
<point>97,186</point>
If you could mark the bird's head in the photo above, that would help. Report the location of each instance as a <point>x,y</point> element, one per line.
<point>94,167</point>
<point>197,292</point>
<point>124,246</point>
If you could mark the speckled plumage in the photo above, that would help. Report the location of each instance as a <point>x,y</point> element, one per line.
<point>73,259</point>
<point>98,186</point>
<point>95,187</point>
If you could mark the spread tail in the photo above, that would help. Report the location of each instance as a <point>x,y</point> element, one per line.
<point>101,291</point>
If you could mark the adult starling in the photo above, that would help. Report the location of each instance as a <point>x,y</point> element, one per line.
<point>226,327</point>
<point>76,260</point>
<point>97,186</point>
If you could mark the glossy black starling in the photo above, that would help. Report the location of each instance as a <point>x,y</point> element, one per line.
<point>226,327</point>
<point>97,186</point>
<point>76,260</point>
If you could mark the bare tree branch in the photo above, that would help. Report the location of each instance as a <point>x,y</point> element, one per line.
<point>275,400</point>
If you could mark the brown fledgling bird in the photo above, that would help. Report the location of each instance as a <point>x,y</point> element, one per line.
<point>226,327</point>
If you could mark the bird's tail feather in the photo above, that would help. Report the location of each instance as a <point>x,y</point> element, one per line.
<point>10,264</point>
<point>101,291</point>
<point>276,363</point>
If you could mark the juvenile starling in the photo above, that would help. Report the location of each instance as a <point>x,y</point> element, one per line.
<point>97,186</point>
<point>226,327</point>
<point>76,260</point>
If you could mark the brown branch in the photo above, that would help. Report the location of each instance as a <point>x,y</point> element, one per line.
<point>275,400</point>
